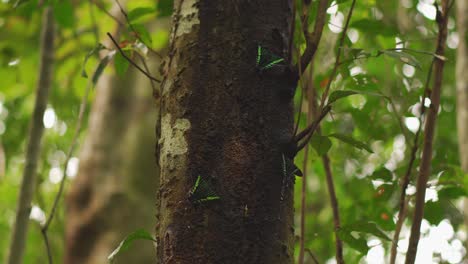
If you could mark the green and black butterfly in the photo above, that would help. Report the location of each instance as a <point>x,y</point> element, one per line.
<point>267,60</point>
<point>202,191</point>
<point>289,170</point>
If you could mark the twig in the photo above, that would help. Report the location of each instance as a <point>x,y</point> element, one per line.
<point>131,61</point>
<point>429,129</point>
<point>406,178</point>
<point>134,31</point>
<point>103,9</point>
<point>312,40</point>
<point>338,56</point>
<point>334,205</point>
<point>19,234</point>
<point>47,245</point>
<point>309,131</point>
<point>312,255</point>
<point>79,122</point>
<point>310,115</point>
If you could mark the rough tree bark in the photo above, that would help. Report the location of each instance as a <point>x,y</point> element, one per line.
<point>225,121</point>
<point>113,193</point>
<point>462,90</point>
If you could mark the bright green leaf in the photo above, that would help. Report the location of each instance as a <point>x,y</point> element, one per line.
<point>374,27</point>
<point>359,244</point>
<point>142,33</point>
<point>138,12</point>
<point>403,57</point>
<point>368,228</point>
<point>121,64</point>
<point>335,95</point>
<point>382,174</point>
<point>125,244</point>
<point>321,144</point>
<point>352,141</point>
<point>451,192</point>
<point>63,13</point>
<point>91,53</point>
<point>100,68</point>
<point>433,212</point>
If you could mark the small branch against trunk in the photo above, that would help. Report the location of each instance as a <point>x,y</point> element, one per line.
<point>308,132</point>
<point>312,40</point>
<point>131,61</point>
<point>28,183</point>
<point>429,129</point>
<point>403,202</point>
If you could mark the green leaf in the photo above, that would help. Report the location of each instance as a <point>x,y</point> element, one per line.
<point>63,13</point>
<point>335,95</point>
<point>125,244</point>
<point>433,212</point>
<point>451,192</point>
<point>121,64</point>
<point>382,174</point>
<point>359,244</point>
<point>368,228</point>
<point>374,27</point>
<point>403,57</point>
<point>164,7</point>
<point>91,53</point>
<point>100,68</point>
<point>142,33</point>
<point>321,144</point>
<point>138,12</point>
<point>352,141</point>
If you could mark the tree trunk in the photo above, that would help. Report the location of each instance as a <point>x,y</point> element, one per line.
<point>36,130</point>
<point>113,193</point>
<point>462,90</point>
<point>225,122</point>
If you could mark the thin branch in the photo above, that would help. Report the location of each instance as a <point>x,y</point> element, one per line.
<point>101,7</point>
<point>134,31</point>
<point>334,205</point>
<point>76,134</point>
<point>47,245</point>
<point>309,131</point>
<point>406,178</point>
<point>429,129</point>
<point>338,56</point>
<point>312,255</point>
<point>312,40</point>
<point>19,234</point>
<point>131,61</point>
<point>310,116</point>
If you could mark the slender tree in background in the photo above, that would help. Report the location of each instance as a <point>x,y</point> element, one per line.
<point>224,120</point>
<point>113,193</point>
<point>28,184</point>
<point>429,130</point>
<point>462,90</point>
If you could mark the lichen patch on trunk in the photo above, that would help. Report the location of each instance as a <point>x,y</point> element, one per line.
<point>188,17</point>
<point>173,142</point>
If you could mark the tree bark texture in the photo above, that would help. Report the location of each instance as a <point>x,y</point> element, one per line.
<point>462,90</point>
<point>36,129</point>
<point>225,121</point>
<point>113,193</point>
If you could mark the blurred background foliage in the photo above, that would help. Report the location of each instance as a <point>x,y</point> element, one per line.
<point>384,117</point>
